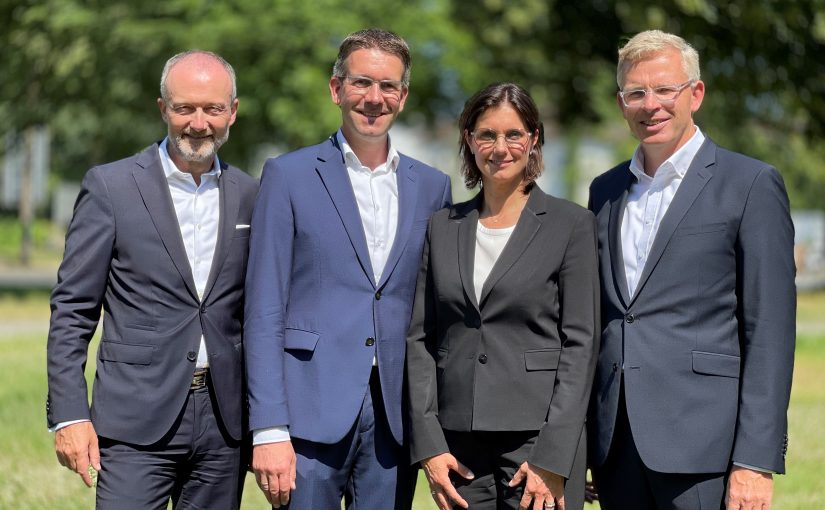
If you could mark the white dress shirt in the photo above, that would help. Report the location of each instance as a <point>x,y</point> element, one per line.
<point>647,202</point>
<point>198,212</point>
<point>376,194</point>
<point>490,242</point>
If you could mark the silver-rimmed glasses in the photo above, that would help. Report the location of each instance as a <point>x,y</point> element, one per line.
<point>362,84</point>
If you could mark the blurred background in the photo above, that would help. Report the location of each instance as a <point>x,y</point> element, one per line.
<point>79,80</point>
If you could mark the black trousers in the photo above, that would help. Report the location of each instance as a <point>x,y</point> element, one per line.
<point>624,482</point>
<point>196,465</point>
<point>494,458</point>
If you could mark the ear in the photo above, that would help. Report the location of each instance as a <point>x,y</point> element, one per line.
<point>163,113</point>
<point>233,111</point>
<point>697,95</point>
<point>405,91</point>
<point>336,90</point>
<point>469,141</point>
<point>619,102</point>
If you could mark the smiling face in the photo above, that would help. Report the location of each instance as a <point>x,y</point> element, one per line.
<point>368,114</point>
<point>661,127</point>
<point>500,163</point>
<point>198,111</point>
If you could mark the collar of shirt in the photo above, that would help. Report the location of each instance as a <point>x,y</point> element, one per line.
<point>170,169</point>
<point>352,161</point>
<point>676,166</point>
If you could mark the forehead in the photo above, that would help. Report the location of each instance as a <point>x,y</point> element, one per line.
<point>375,63</point>
<point>199,80</point>
<point>663,67</point>
<point>503,116</point>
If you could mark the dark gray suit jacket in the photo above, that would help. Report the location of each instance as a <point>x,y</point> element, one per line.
<point>522,358</point>
<point>124,252</point>
<point>707,341</point>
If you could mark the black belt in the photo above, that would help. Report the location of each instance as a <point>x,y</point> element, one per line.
<point>199,379</point>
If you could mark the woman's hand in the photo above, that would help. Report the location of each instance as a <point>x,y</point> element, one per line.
<point>437,468</point>
<point>543,488</point>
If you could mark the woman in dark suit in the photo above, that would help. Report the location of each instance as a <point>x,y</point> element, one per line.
<point>502,343</point>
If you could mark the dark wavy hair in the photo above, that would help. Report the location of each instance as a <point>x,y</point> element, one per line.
<point>493,96</point>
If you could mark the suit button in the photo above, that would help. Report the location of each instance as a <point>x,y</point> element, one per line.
<point>482,358</point>
<point>370,342</point>
<point>629,318</point>
<point>615,367</point>
<point>203,308</point>
<point>378,295</point>
<point>192,356</point>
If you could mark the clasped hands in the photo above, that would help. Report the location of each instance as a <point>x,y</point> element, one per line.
<point>543,488</point>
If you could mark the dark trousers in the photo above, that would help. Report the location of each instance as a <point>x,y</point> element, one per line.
<point>494,458</point>
<point>624,482</point>
<point>367,467</point>
<point>196,465</point>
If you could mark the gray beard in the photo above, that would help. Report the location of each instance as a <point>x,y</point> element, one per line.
<point>206,149</point>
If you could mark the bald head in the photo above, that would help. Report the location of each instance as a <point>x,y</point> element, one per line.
<point>197,64</point>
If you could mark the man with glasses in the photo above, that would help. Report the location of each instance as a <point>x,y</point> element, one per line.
<point>159,242</point>
<point>689,403</point>
<point>338,234</point>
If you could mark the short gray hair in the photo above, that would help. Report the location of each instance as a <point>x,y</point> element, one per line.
<point>648,42</point>
<point>164,91</point>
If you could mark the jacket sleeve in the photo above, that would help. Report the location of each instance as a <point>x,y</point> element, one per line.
<point>426,436</point>
<point>267,288</point>
<point>76,300</point>
<point>558,439</point>
<point>766,312</point>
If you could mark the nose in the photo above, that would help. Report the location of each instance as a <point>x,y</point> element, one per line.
<point>500,145</point>
<point>650,102</point>
<point>198,120</point>
<point>373,94</point>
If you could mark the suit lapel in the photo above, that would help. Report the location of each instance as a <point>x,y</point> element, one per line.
<point>154,190</point>
<point>333,173</point>
<point>527,226</point>
<point>467,224</point>
<point>229,204</point>
<point>614,232</point>
<point>407,197</point>
<point>696,177</point>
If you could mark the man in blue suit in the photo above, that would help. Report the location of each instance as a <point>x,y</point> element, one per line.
<point>337,235</point>
<point>689,402</point>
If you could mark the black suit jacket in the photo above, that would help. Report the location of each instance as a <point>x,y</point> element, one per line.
<point>707,340</point>
<point>520,359</point>
<point>124,252</point>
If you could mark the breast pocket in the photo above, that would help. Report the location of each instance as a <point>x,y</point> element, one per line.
<point>694,230</point>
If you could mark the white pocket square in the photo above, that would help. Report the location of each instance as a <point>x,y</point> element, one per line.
<point>238,227</point>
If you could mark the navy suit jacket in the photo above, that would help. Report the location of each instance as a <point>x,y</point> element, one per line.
<point>124,252</point>
<point>314,315</point>
<point>707,341</point>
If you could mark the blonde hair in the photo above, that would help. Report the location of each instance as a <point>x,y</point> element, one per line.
<point>648,42</point>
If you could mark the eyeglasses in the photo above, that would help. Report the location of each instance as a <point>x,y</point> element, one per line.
<point>664,94</point>
<point>362,84</point>
<point>514,138</point>
<point>211,110</point>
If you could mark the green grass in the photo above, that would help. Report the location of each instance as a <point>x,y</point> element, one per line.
<point>32,479</point>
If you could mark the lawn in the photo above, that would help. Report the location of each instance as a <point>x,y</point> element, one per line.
<point>31,478</point>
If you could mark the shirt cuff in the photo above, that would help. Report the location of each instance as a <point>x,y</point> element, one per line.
<point>64,424</point>
<point>753,468</point>
<point>277,434</point>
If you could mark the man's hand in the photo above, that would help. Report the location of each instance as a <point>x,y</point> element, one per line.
<point>437,469</point>
<point>590,492</point>
<point>749,489</point>
<point>544,488</point>
<point>274,468</point>
<point>76,448</point>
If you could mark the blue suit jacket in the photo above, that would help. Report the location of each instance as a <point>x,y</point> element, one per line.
<point>124,253</point>
<point>314,315</point>
<point>707,340</point>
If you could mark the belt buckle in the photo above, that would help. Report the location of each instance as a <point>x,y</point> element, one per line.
<point>199,379</point>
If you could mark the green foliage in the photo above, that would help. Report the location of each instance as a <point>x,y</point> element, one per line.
<point>90,69</point>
